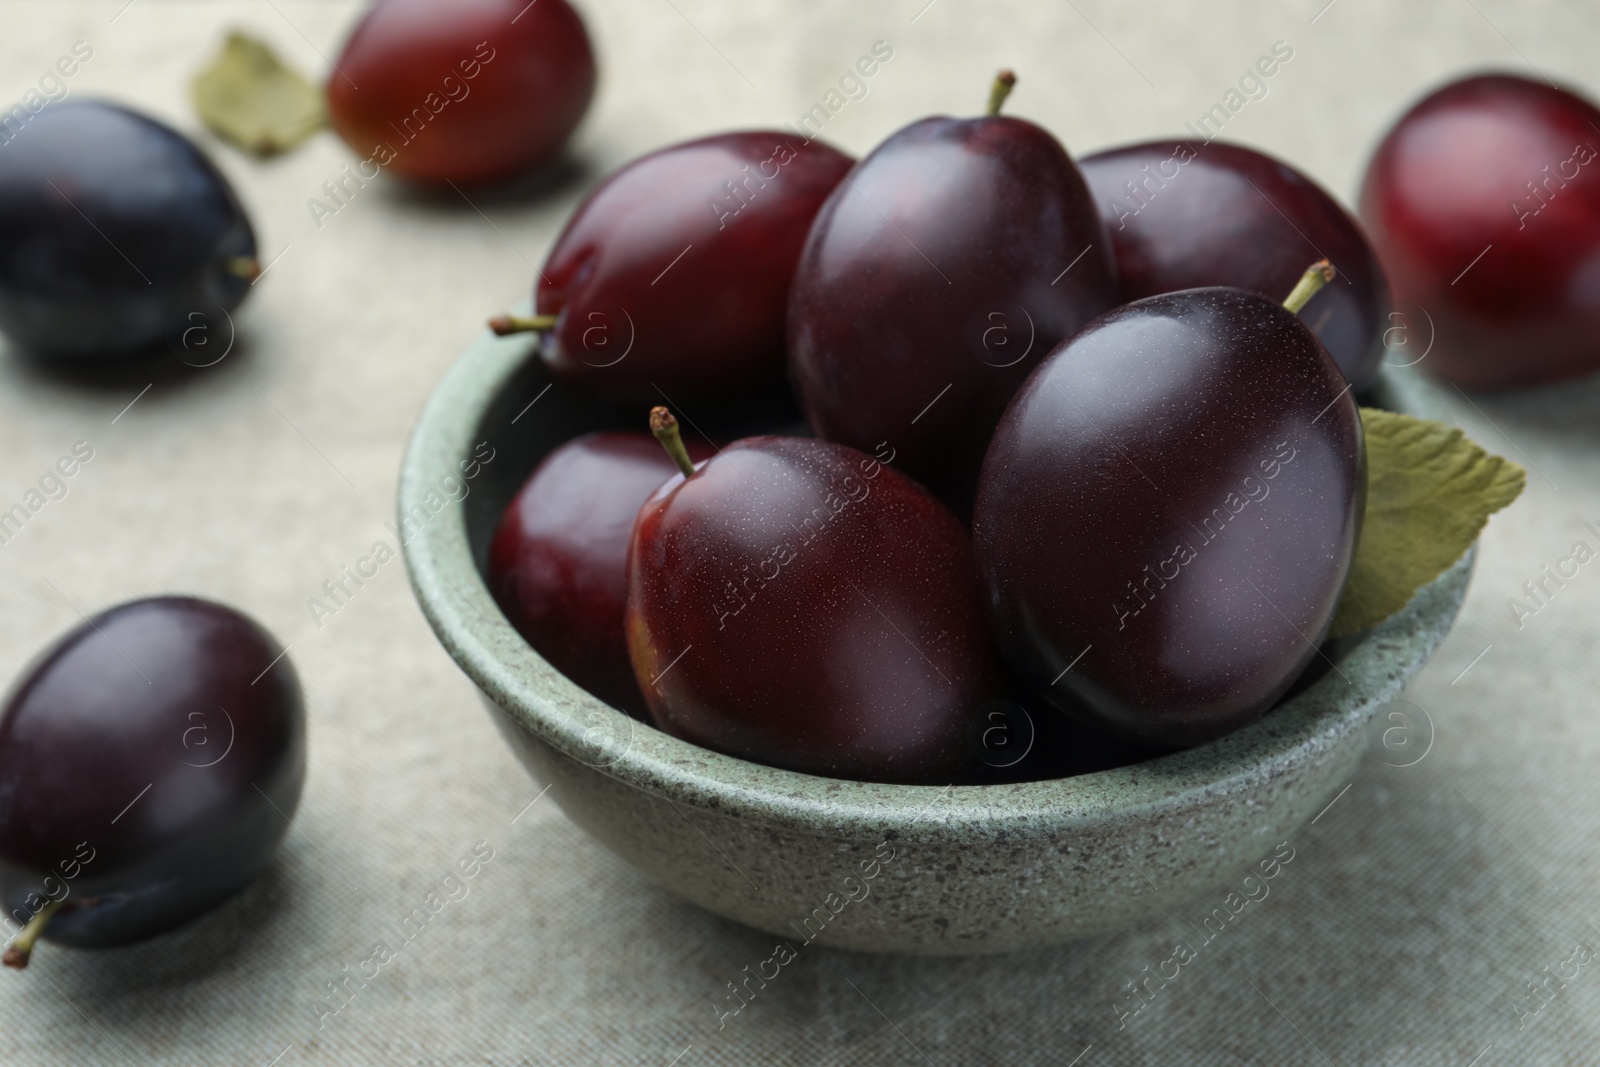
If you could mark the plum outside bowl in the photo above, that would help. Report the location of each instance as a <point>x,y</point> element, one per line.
<point>879,868</point>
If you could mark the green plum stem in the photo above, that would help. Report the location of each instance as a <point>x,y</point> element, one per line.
<point>246,267</point>
<point>505,325</point>
<point>1004,82</point>
<point>665,427</point>
<point>1311,282</point>
<point>21,947</point>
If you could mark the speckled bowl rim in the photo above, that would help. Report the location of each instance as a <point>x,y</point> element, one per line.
<point>469,624</point>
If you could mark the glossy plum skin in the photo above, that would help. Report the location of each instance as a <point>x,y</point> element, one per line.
<point>800,604</point>
<point>940,263</point>
<point>464,91</point>
<point>672,277</point>
<point>1187,214</point>
<point>1175,495</point>
<point>1507,169</point>
<point>83,734</point>
<point>114,231</point>
<point>558,564</point>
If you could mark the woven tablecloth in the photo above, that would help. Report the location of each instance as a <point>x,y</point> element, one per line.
<point>1417,909</point>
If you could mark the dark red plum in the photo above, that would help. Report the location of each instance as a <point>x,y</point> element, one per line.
<point>116,235</point>
<point>937,275</point>
<point>672,277</point>
<point>1187,214</point>
<point>1168,513</point>
<point>468,91</point>
<point>558,564</point>
<point>798,603</point>
<point>150,762</point>
<point>1484,202</point>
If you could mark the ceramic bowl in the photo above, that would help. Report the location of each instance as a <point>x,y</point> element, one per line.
<point>880,868</point>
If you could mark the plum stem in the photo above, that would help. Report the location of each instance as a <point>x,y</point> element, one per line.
<point>246,267</point>
<point>665,427</point>
<point>1311,282</point>
<point>21,947</point>
<point>504,325</point>
<point>1003,84</point>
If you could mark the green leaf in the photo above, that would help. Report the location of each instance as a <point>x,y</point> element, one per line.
<point>1429,493</point>
<point>250,98</point>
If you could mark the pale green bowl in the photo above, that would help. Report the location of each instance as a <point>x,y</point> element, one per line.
<point>881,868</point>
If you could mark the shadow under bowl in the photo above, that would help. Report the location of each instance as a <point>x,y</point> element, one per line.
<point>858,865</point>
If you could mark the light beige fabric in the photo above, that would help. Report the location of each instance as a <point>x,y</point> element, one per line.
<point>1405,929</point>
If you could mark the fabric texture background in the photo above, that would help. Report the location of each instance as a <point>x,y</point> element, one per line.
<point>1405,931</point>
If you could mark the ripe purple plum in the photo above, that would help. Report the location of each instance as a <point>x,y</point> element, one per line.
<point>1169,511</point>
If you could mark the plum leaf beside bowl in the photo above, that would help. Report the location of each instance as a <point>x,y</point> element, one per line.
<point>1429,493</point>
